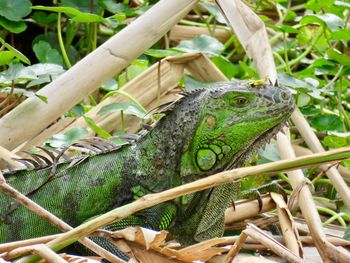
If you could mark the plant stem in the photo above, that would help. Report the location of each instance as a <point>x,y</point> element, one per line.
<point>60,41</point>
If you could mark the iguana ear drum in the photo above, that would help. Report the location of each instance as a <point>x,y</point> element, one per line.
<point>206,159</point>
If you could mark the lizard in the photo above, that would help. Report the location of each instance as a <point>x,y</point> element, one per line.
<point>204,132</point>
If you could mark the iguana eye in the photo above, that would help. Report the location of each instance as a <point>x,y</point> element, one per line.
<point>240,101</point>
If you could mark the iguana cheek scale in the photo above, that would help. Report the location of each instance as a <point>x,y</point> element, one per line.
<point>204,132</point>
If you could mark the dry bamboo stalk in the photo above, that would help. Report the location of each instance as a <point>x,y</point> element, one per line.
<point>28,242</point>
<point>71,87</point>
<point>255,233</point>
<point>251,32</point>
<point>8,157</point>
<point>178,33</point>
<point>288,228</point>
<point>300,151</point>
<point>31,205</point>
<point>199,185</point>
<point>307,206</point>
<point>244,210</point>
<point>236,247</point>
<point>204,70</point>
<point>40,250</point>
<point>315,145</point>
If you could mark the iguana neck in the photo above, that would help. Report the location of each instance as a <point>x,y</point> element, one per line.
<point>159,153</point>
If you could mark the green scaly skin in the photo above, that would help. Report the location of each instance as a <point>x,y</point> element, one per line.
<point>205,132</point>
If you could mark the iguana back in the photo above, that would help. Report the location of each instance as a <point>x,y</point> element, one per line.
<point>204,132</point>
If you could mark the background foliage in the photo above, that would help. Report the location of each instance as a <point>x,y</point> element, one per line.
<point>310,41</point>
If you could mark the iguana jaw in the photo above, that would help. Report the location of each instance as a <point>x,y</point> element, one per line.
<point>254,146</point>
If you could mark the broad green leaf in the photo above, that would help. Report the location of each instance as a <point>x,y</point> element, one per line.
<point>283,28</point>
<point>342,34</point>
<point>126,107</point>
<point>161,53</point>
<point>327,123</point>
<point>46,69</point>
<point>83,6</point>
<point>15,10</point>
<point>78,16</point>
<point>338,57</point>
<point>110,85</point>
<point>88,18</point>
<point>6,57</point>
<point>269,153</point>
<point>46,54</point>
<point>25,93</point>
<point>13,26</point>
<point>302,99</point>
<point>333,141</point>
<point>17,53</point>
<point>43,18</point>
<point>332,21</point>
<point>318,5</point>
<point>290,81</point>
<point>214,10</point>
<point>101,132</point>
<point>193,84</point>
<point>310,110</point>
<point>347,234</point>
<point>201,43</point>
<point>132,71</point>
<point>69,137</point>
<point>116,8</point>
<point>225,66</point>
<point>342,3</point>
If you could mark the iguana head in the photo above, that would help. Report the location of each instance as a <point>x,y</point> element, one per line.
<point>235,119</point>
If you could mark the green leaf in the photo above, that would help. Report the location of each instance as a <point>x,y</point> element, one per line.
<point>15,10</point>
<point>46,54</point>
<point>6,57</point>
<point>283,28</point>
<point>332,21</point>
<point>310,110</point>
<point>226,67</point>
<point>17,53</point>
<point>292,82</point>
<point>69,137</point>
<point>101,132</point>
<point>83,6</point>
<point>333,141</point>
<point>193,84</point>
<point>13,26</point>
<point>347,234</point>
<point>110,85</point>
<point>58,9</point>
<point>327,123</point>
<point>116,8</point>
<point>338,57</point>
<point>126,107</point>
<point>214,10</point>
<point>77,15</point>
<point>342,34</point>
<point>43,18</point>
<point>202,43</point>
<point>161,53</point>
<point>88,18</point>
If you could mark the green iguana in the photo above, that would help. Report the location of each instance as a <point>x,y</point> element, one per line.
<point>204,132</point>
